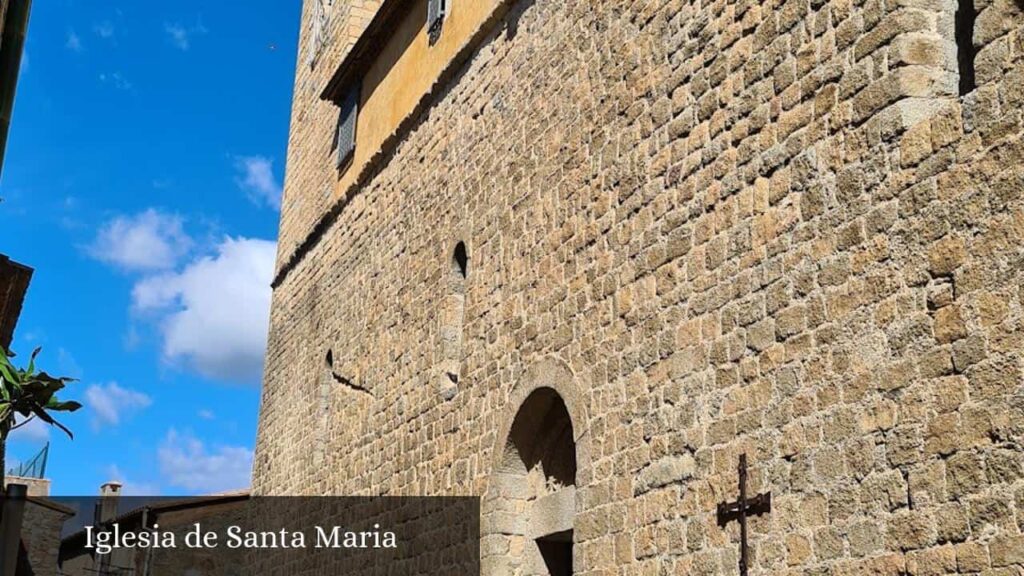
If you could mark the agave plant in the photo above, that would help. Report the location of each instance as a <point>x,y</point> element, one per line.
<point>25,395</point>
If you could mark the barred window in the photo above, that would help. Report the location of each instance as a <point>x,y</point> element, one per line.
<point>436,10</point>
<point>346,142</point>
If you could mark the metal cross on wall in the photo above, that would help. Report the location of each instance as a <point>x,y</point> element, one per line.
<point>740,509</point>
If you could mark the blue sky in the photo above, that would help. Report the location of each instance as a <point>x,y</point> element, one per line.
<point>142,182</point>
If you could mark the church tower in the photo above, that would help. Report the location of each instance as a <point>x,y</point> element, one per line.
<point>583,258</point>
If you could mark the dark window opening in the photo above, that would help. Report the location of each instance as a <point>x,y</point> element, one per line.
<point>346,132</point>
<point>452,313</point>
<point>460,259</point>
<point>556,550</point>
<point>330,359</point>
<point>436,10</point>
<point>965,16</point>
<point>541,435</point>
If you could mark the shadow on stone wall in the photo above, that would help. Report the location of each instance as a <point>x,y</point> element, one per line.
<point>516,12</point>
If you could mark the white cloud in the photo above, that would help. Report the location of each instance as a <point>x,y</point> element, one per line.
<point>186,462</point>
<point>104,29</point>
<point>74,43</point>
<point>110,403</point>
<point>214,313</point>
<point>131,338</point>
<point>207,414</point>
<point>178,34</point>
<point>67,364</point>
<point>35,431</point>
<point>150,240</point>
<point>181,36</point>
<point>256,178</point>
<point>130,487</point>
<point>117,79</point>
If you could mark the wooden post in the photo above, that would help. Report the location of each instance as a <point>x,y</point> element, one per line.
<point>10,529</point>
<point>11,48</point>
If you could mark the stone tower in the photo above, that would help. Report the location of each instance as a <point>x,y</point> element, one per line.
<point>577,256</point>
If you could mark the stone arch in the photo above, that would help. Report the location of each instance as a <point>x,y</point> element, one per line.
<point>555,374</point>
<point>540,459</point>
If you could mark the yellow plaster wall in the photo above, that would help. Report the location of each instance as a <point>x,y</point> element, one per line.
<point>405,71</point>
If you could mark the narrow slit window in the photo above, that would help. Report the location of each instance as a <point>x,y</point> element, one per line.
<point>460,260</point>
<point>452,314</point>
<point>965,16</point>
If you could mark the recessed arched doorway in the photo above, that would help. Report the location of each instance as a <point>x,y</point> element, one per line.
<point>529,510</point>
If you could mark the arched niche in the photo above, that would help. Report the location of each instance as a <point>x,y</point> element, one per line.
<point>452,316</point>
<point>529,509</point>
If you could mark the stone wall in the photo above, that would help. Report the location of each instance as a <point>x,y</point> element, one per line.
<point>35,486</point>
<point>313,121</point>
<point>761,227</point>
<point>40,534</point>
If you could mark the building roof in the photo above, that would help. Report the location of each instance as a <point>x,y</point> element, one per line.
<point>367,48</point>
<point>14,279</point>
<point>51,504</point>
<point>73,544</point>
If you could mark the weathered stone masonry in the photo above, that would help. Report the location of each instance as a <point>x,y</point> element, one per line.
<point>712,227</point>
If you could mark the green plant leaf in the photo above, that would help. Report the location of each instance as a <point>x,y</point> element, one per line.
<point>43,385</point>
<point>27,393</point>
<point>41,413</point>
<point>7,370</point>
<point>32,361</point>
<point>67,406</point>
